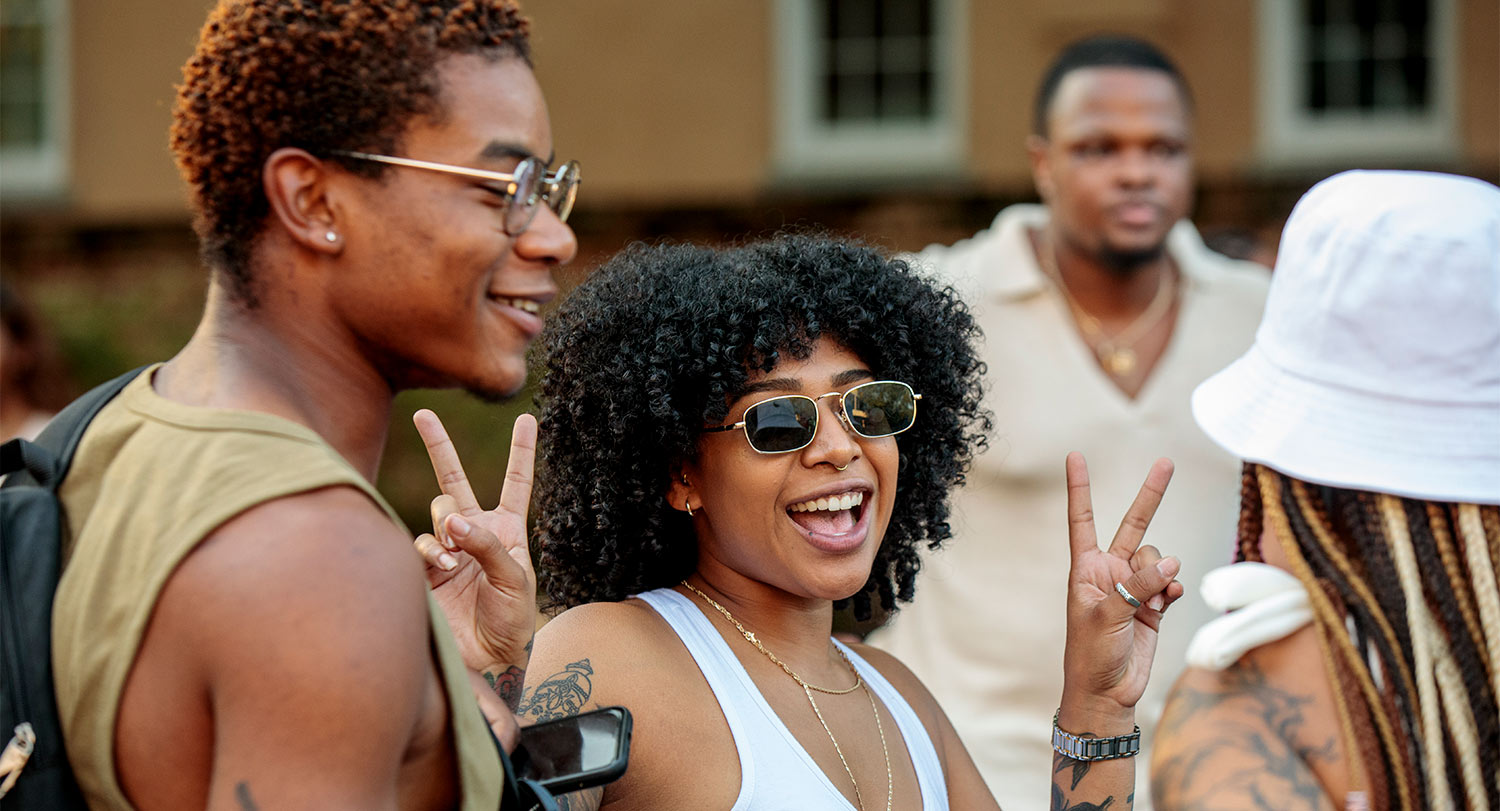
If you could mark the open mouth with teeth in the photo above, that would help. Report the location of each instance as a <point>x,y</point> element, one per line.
<point>833,515</point>
<point>525,305</point>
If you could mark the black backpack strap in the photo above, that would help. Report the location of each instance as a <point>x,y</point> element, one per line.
<point>45,460</point>
<point>31,529</point>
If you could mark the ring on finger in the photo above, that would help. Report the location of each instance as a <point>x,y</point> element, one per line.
<point>1124,592</point>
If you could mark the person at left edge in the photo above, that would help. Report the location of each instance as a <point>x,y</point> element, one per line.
<point>242,622</point>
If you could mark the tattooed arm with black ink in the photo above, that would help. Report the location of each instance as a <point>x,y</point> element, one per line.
<point>561,695</point>
<point>1261,734</point>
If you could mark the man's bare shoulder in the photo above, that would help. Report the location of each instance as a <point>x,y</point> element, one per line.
<point>303,624</point>
<point>333,538</point>
<point>325,558</point>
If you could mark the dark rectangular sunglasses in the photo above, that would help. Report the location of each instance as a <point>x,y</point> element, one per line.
<point>789,422</point>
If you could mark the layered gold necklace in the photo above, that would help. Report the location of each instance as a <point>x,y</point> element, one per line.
<point>1116,352</point>
<point>809,688</point>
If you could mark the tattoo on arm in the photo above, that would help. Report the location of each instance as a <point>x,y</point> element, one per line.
<point>563,694</point>
<point>242,795</point>
<point>588,799</point>
<point>1060,801</point>
<point>507,685</point>
<point>1257,752</point>
<point>1080,767</point>
<point>560,695</point>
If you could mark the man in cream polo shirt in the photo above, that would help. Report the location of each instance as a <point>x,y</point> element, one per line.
<point>1102,310</point>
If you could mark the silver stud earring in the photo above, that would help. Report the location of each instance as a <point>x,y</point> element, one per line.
<point>331,236</point>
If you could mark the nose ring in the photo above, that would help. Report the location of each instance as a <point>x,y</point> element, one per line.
<point>841,469</point>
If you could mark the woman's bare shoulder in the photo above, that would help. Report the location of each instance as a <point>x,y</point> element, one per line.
<point>625,654</point>
<point>627,622</point>
<point>897,673</point>
<point>911,688</point>
<point>600,654</point>
<point>965,787</point>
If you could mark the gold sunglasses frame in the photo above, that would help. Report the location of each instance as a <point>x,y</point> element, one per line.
<point>843,417</point>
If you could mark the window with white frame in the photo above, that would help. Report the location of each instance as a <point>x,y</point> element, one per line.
<point>1357,79</point>
<point>868,88</point>
<point>33,97</point>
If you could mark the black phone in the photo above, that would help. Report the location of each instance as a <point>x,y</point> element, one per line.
<point>578,752</point>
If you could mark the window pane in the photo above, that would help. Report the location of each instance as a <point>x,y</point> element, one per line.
<point>878,60</point>
<point>1366,55</point>
<point>22,55</point>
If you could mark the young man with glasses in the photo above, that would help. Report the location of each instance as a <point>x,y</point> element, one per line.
<point>242,622</point>
<point>1101,309</point>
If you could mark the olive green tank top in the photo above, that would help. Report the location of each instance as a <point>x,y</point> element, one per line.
<point>150,480</point>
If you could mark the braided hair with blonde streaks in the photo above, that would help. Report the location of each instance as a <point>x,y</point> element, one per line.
<point>1405,600</point>
<point>1471,531</point>
<point>1333,639</point>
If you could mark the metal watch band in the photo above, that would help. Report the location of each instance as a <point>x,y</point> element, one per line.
<point>1088,749</point>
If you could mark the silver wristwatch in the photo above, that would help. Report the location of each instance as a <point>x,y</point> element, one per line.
<point>1078,748</point>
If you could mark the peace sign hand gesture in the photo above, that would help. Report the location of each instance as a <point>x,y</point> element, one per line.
<point>1110,642</point>
<point>479,563</point>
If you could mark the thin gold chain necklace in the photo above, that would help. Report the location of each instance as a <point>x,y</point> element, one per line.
<point>809,688</point>
<point>1116,352</point>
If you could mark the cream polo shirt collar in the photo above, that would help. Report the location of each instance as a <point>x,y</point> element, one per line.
<point>1001,265</point>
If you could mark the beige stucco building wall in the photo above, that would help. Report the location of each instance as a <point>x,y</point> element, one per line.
<point>672,103</point>
<point>126,60</point>
<point>1479,89</point>
<point>665,103</point>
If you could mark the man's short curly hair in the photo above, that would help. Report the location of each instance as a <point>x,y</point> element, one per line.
<point>657,343</point>
<point>316,74</point>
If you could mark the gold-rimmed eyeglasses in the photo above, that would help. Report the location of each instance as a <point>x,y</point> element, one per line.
<point>523,189</point>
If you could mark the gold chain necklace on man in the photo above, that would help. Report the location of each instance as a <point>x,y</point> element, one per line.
<point>808,689</point>
<point>1116,352</point>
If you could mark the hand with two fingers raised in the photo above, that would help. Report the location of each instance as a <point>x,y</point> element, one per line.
<point>1116,597</point>
<point>478,560</point>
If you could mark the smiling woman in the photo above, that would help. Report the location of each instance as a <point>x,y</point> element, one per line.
<point>730,446</point>
<point>668,342</point>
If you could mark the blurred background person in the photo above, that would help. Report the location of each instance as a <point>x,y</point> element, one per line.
<point>33,385</point>
<point>1101,310</point>
<point>1361,664</point>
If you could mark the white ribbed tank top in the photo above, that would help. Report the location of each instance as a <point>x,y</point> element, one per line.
<point>776,773</point>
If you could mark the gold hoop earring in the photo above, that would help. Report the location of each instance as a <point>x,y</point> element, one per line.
<point>687,503</point>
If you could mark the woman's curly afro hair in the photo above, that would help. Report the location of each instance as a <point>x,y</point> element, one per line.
<point>316,74</point>
<point>657,343</point>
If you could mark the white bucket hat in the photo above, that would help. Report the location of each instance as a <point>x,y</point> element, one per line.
<point>1377,363</point>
